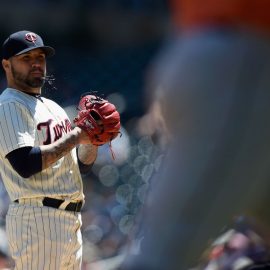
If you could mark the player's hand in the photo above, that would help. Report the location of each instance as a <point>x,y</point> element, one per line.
<point>82,136</point>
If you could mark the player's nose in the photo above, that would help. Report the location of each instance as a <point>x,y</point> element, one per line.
<point>36,66</point>
<point>36,63</point>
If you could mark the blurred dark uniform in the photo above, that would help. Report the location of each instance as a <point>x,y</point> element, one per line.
<point>213,86</point>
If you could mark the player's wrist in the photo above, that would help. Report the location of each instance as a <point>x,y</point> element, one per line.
<point>81,136</point>
<point>76,132</point>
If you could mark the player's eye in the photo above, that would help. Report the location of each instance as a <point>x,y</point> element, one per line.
<point>42,57</point>
<point>26,58</point>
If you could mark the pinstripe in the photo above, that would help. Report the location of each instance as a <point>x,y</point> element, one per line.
<point>6,124</point>
<point>18,121</point>
<point>20,235</point>
<point>40,242</point>
<point>72,253</point>
<point>28,244</point>
<point>62,178</point>
<point>14,233</point>
<point>58,241</point>
<point>73,248</point>
<point>66,228</point>
<point>49,220</point>
<point>45,183</point>
<point>69,245</point>
<point>31,247</point>
<point>15,225</point>
<point>10,234</point>
<point>59,186</point>
<point>65,238</point>
<point>44,244</point>
<point>14,114</point>
<point>3,135</point>
<point>38,250</point>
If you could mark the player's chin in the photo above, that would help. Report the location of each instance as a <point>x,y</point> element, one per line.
<point>37,82</point>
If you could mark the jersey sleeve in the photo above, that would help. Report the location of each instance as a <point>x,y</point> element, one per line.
<point>16,127</point>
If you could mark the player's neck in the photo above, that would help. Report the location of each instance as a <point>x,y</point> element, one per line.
<point>32,93</point>
<point>25,89</point>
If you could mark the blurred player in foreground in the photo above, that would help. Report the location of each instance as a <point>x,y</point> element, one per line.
<point>213,90</point>
<point>40,154</point>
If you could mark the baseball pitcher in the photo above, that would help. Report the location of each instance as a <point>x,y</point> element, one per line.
<point>41,156</point>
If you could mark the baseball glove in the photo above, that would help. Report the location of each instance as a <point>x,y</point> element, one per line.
<point>99,118</point>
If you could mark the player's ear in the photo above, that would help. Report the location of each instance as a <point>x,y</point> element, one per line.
<point>5,64</point>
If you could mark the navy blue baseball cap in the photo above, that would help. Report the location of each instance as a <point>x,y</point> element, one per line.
<point>22,42</point>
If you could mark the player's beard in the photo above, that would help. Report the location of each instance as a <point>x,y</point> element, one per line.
<point>27,80</point>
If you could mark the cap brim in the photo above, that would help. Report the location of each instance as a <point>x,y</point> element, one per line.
<point>49,51</point>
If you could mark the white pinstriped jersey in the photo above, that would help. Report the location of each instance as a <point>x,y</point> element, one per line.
<point>29,121</point>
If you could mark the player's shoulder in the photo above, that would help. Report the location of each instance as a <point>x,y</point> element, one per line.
<point>5,95</point>
<point>10,94</point>
<point>18,99</point>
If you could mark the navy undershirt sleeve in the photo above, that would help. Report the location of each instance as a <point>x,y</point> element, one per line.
<point>26,161</point>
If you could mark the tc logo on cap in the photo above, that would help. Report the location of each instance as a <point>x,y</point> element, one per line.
<point>31,37</point>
